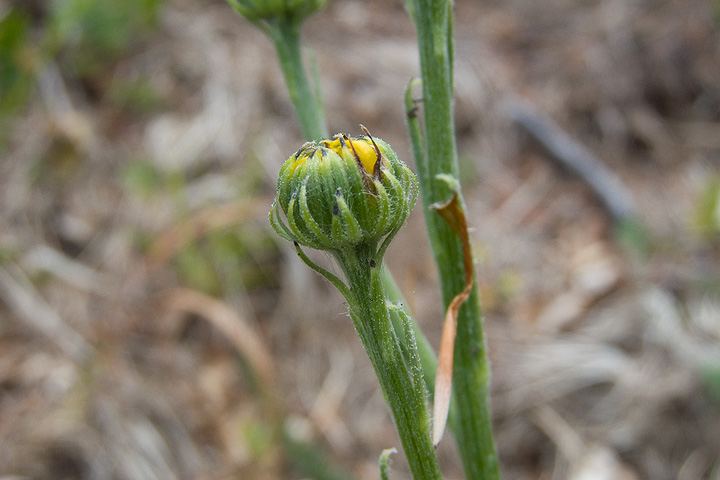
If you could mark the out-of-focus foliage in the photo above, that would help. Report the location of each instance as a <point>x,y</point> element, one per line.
<point>82,36</point>
<point>141,178</point>
<point>707,215</point>
<point>226,260</point>
<point>17,60</point>
<point>94,32</point>
<point>136,96</point>
<point>711,379</point>
<point>264,10</point>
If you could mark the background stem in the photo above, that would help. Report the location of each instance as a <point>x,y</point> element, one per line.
<point>472,425</point>
<point>286,37</point>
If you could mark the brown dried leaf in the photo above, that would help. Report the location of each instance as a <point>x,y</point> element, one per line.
<point>454,215</point>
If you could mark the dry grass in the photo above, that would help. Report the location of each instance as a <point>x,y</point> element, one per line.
<point>597,354</point>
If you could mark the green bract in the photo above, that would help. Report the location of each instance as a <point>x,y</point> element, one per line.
<point>339,193</point>
<point>257,10</point>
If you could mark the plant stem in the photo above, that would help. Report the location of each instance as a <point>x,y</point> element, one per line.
<point>286,37</point>
<point>369,312</point>
<point>311,118</point>
<point>371,318</point>
<point>472,424</point>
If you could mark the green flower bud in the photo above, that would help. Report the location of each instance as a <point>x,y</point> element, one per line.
<point>263,10</point>
<point>338,193</point>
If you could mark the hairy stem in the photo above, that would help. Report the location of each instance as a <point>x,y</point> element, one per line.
<point>369,312</point>
<point>472,424</point>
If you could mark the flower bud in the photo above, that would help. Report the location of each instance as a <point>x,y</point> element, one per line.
<point>343,192</point>
<point>258,10</point>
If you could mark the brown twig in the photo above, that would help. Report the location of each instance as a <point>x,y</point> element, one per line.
<point>574,156</point>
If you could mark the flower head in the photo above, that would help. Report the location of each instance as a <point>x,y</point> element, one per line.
<point>263,10</point>
<point>343,192</point>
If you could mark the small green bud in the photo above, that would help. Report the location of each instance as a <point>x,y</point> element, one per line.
<point>338,193</point>
<point>263,10</point>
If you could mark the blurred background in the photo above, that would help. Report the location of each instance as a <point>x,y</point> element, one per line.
<point>152,326</point>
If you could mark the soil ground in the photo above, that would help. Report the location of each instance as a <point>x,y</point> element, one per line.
<point>139,278</point>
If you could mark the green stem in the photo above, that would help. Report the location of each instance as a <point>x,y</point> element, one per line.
<point>416,440</point>
<point>472,424</point>
<point>370,315</point>
<point>312,123</point>
<point>286,37</point>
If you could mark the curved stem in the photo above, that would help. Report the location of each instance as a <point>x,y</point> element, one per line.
<point>342,288</point>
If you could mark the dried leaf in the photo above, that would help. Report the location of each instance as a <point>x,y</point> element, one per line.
<point>245,339</point>
<point>454,215</point>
